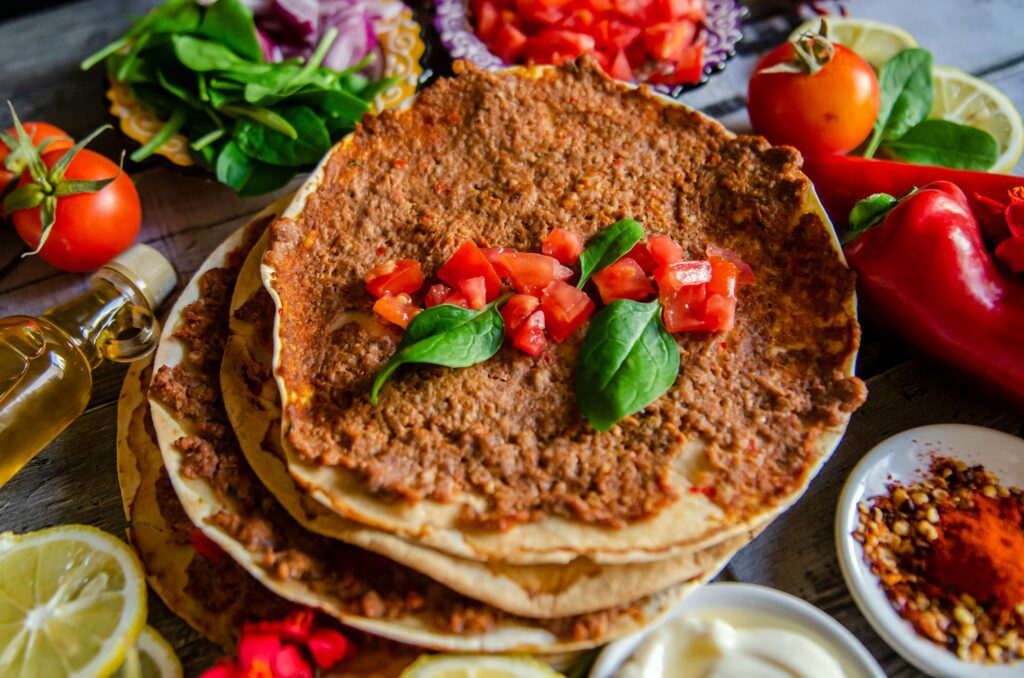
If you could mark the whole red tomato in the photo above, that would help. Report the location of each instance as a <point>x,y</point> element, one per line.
<point>830,111</point>
<point>37,131</point>
<point>90,228</point>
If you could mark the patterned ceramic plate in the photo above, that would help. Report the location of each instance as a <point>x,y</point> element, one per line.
<point>721,29</point>
<point>400,44</point>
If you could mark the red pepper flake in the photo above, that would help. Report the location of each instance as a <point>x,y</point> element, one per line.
<point>381,250</point>
<point>724,345</point>
<point>399,162</point>
<point>707,491</point>
<point>453,118</point>
<point>205,546</point>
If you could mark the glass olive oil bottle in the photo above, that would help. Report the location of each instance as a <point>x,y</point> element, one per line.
<point>46,363</point>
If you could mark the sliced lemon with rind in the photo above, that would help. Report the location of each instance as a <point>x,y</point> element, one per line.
<point>151,657</point>
<point>875,41</point>
<point>72,599</point>
<point>479,666</point>
<point>962,98</point>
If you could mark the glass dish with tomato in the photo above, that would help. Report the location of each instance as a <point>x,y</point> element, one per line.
<point>671,45</point>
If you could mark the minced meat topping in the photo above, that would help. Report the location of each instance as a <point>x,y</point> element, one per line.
<point>502,160</point>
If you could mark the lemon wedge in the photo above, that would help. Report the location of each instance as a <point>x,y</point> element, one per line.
<point>876,42</point>
<point>72,600</point>
<point>962,98</point>
<point>151,657</point>
<point>478,666</point>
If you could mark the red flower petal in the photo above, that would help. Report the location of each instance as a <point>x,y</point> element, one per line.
<point>290,664</point>
<point>1011,253</point>
<point>295,627</point>
<point>328,647</point>
<point>221,671</point>
<point>257,647</point>
<point>259,669</point>
<point>1015,218</point>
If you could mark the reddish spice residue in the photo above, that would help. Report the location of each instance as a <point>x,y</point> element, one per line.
<point>979,551</point>
<point>708,492</point>
<point>399,162</point>
<point>381,250</point>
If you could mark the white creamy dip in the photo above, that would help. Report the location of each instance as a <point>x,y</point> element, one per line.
<point>691,647</point>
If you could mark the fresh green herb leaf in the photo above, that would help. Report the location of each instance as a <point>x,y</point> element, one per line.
<point>449,336</point>
<point>205,55</point>
<point>868,212</point>
<point>265,178</point>
<point>608,246</point>
<point>627,361</point>
<point>947,144</point>
<point>311,142</point>
<point>906,88</point>
<point>264,116</point>
<point>230,23</point>
<point>233,166</point>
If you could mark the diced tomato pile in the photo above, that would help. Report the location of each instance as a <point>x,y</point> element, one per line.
<point>656,41</point>
<point>696,295</point>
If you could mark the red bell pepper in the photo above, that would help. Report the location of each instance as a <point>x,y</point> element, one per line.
<point>842,180</point>
<point>925,271</point>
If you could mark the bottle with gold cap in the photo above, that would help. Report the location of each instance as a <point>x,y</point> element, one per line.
<point>46,363</point>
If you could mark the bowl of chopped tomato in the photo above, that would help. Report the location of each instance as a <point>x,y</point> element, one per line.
<point>671,45</point>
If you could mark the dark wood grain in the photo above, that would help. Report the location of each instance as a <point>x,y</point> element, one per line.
<point>186,214</point>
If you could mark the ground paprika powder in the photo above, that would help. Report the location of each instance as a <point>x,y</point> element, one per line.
<point>979,552</point>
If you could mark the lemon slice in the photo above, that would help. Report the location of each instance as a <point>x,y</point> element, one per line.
<point>72,599</point>
<point>151,657</point>
<point>478,666</point>
<point>962,98</point>
<point>874,41</point>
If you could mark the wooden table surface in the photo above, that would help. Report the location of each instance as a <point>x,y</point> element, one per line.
<point>185,216</point>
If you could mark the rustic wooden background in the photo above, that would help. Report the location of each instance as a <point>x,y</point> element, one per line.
<point>185,215</point>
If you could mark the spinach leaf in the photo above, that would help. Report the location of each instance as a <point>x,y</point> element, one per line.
<point>906,88</point>
<point>271,146</point>
<point>608,246</point>
<point>230,23</point>
<point>204,55</point>
<point>627,361</point>
<point>265,178</point>
<point>449,336</point>
<point>868,212</point>
<point>947,144</point>
<point>233,166</point>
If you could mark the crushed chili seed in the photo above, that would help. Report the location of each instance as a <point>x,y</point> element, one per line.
<point>901,532</point>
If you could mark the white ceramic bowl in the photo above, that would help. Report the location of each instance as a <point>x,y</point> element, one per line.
<point>761,600</point>
<point>905,457</point>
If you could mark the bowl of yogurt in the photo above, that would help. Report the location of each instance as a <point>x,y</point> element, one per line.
<point>732,630</point>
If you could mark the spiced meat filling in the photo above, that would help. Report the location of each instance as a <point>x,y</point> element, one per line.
<point>502,160</point>
<point>363,583</point>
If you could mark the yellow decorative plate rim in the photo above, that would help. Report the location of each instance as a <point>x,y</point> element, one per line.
<point>401,43</point>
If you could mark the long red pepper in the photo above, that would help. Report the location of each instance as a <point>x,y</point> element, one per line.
<point>925,271</point>
<point>843,180</point>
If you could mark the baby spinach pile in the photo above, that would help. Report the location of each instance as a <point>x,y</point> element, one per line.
<point>255,124</point>
<point>904,130</point>
<point>627,361</point>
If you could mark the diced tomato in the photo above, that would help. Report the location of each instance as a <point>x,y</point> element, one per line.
<point>457,299</point>
<point>398,309</point>
<point>684,308</point>
<point>687,68</point>
<point>623,280</point>
<point>719,313</point>
<point>492,254</point>
<point>508,43</point>
<point>564,245</point>
<point>673,10</point>
<point>620,68</point>
<point>636,10</point>
<point>565,309</point>
<point>668,41</point>
<point>530,272</point>
<point>723,277</point>
<point>469,262</point>
<point>746,276</point>
<point>552,46</point>
<point>664,249</point>
<point>488,19</point>
<point>205,546</point>
<point>563,273</point>
<point>682,274</point>
<point>516,310</point>
<point>529,338</point>
<point>403,276</point>
<point>641,255</point>
<point>599,7</point>
<point>545,12</point>
<point>475,291</point>
<point>437,294</point>
<point>581,20</point>
<point>612,33</point>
